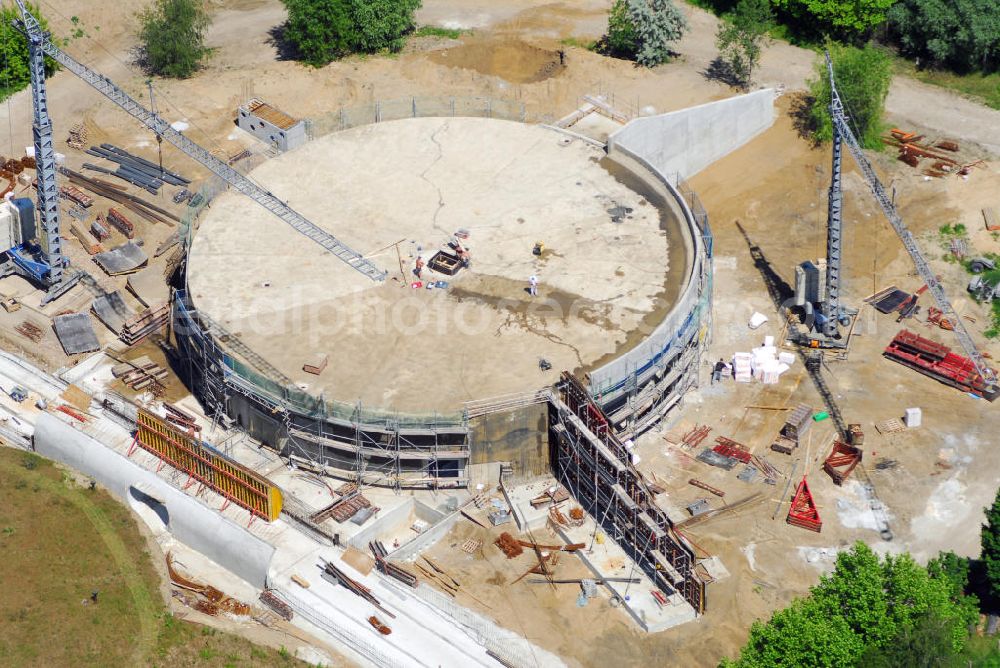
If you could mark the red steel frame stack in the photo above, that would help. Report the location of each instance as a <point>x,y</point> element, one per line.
<point>803,512</point>
<point>937,361</point>
<point>842,460</point>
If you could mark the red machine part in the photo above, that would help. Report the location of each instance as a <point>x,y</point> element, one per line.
<point>730,448</point>
<point>934,316</point>
<point>937,361</point>
<point>803,512</point>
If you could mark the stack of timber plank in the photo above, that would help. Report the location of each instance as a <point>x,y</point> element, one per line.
<point>85,239</point>
<point>149,321</point>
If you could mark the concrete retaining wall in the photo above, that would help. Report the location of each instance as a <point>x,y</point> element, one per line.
<point>518,436</point>
<point>686,141</point>
<point>195,525</point>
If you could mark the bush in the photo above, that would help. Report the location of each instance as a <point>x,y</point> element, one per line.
<point>842,19</point>
<point>742,35</point>
<point>644,30</point>
<point>325,30</point>
<point>869,611</point>
<point>172,37</point>
<point>863,77</point>
<point>14,72</point>
<point>963,35</point>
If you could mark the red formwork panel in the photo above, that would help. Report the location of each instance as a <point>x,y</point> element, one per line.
<point>842,461</point>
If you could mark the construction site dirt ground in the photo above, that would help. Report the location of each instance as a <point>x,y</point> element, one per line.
<point>936,479</point>
<point>933,480</point>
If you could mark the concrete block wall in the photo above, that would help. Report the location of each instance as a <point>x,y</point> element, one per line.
<point>280,138</point>
<point>685,142</point>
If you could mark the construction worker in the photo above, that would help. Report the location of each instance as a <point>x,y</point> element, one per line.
<point>533,285</point>
<point>720,366</point>
<point>419,268</point>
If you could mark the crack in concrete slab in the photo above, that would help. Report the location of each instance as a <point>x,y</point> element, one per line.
<point>423,175</point>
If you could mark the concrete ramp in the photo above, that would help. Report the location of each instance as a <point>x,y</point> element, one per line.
<point>685,142</point>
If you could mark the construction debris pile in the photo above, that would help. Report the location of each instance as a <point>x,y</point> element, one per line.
<point>116,193</point>
<point>141,374</point>
<point>207,599</point>
<point>350,504</point>
<point>391,569</point>
<point>30,331</point>
<point>912,150</point>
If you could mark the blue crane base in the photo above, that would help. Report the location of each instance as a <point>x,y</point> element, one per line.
<point>24,263</point>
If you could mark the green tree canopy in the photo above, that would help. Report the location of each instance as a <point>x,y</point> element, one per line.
<point>866,605</point>
<point>863,77</point>
<point>990,545</point>
<point>324,30</point>
<point>14,72</point>
<point>844,19</point>
<point>963,35</point>
<point>742,36</point>
<point>172,35</point>
<point>644,30</point>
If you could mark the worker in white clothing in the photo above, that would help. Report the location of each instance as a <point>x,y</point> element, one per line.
<point>533,285</point>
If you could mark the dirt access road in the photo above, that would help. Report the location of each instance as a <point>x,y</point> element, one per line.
<point>247,59</point>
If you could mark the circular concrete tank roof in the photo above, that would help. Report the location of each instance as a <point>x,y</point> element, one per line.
<point>400,190</point>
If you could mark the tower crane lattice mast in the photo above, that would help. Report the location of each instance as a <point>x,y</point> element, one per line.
<point>843,129</point>
<point>50,271</point>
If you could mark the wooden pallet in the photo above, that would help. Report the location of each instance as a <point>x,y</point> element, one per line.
<point>890,426</point>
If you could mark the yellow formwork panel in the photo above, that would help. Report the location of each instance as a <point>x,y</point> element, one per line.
<point>233,481</point>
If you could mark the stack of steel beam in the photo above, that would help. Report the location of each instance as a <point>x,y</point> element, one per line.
<point>137,171</point>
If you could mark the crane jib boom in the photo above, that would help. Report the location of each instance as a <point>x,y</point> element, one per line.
<point>923,268</point>
<point>241,183</point>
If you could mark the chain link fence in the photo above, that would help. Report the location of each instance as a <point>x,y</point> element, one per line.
<point>379,111</point>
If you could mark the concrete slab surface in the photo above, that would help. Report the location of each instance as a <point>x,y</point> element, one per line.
<point>76,333</point>
<point>401,189</point>
<point>121,260</point>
